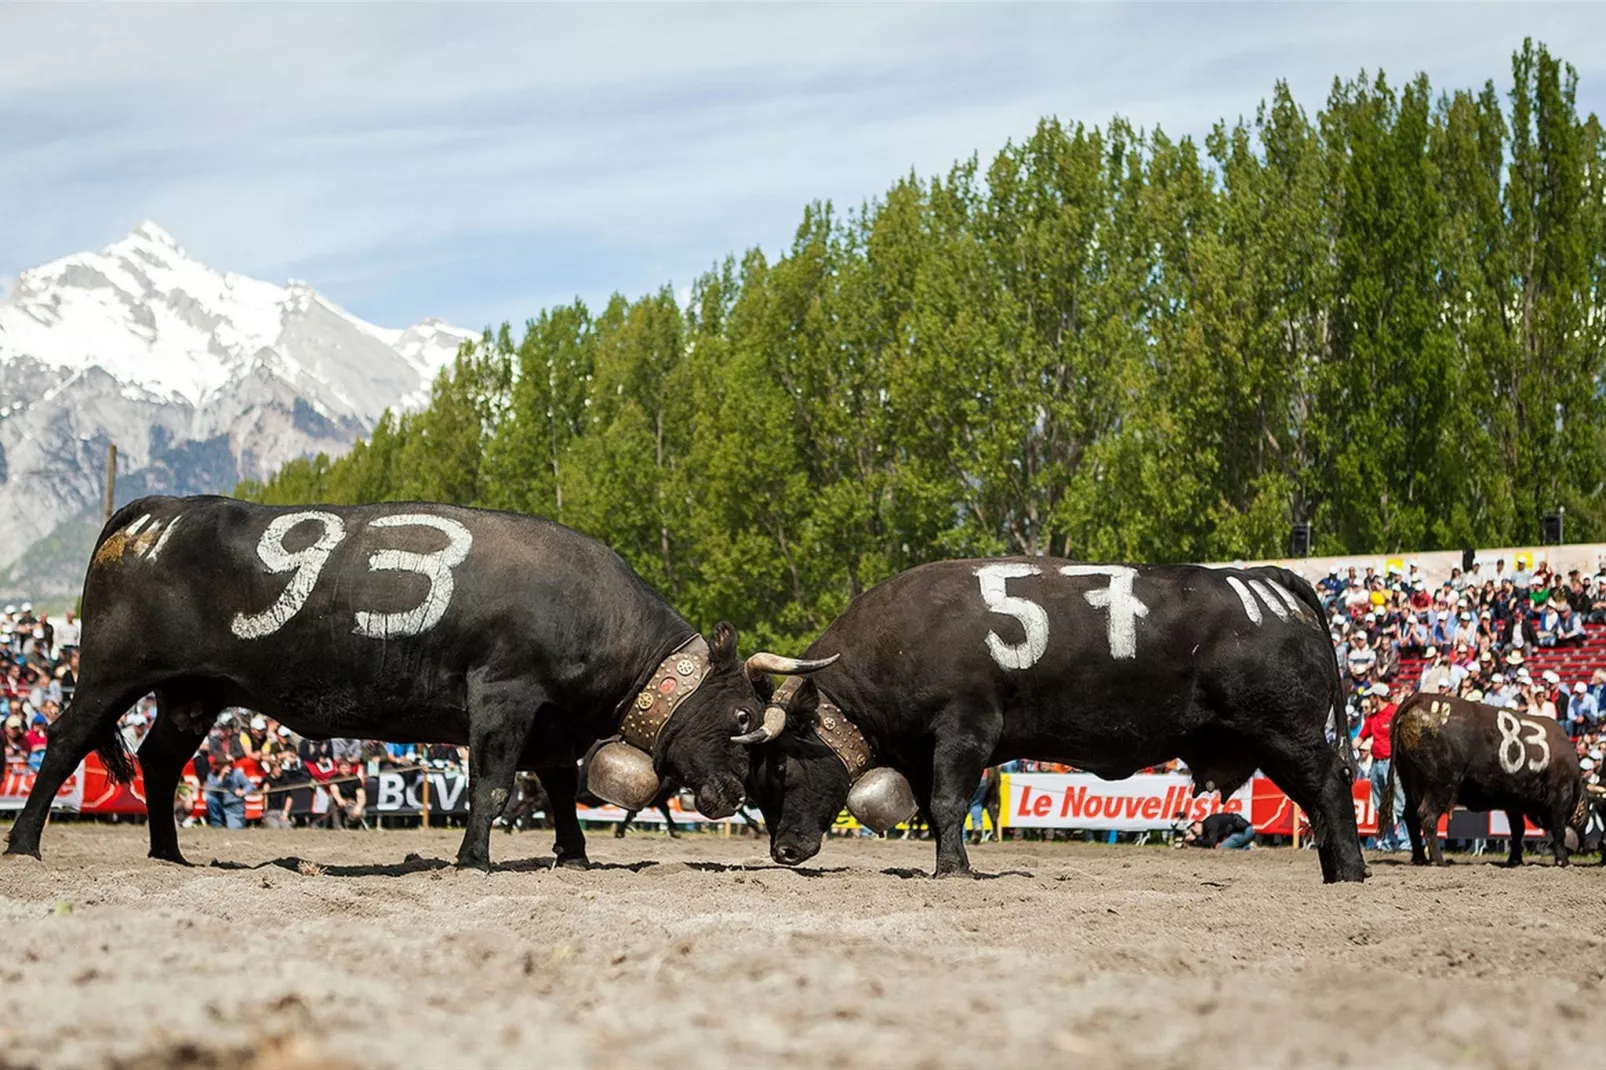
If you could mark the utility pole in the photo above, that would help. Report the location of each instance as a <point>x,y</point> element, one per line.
<point>111,476</point>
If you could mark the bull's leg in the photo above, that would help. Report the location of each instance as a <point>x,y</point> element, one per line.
<point>669,820</point>
<point>1518,826</point>
<point>1431,812</point>
<point>622,827</point>
<point>497,727</point>
<point>167,748</point>
<point>89,721</point>
<point>562,785</point>
<point>1316,780</point>
<point>956,769</point>
<point>1558,835</point>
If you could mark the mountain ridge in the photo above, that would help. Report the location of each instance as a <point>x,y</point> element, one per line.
<point>201,378</point>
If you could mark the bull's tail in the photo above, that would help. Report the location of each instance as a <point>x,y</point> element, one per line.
<point>113,753</point>
<point>1301,589</point>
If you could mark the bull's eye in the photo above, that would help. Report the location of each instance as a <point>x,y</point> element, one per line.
<point>744,721</point>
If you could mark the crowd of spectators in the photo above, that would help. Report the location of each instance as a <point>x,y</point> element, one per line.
<point>1472,635</point>
<point>38,671</point>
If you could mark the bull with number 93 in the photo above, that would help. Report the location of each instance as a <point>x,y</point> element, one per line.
<point>406,622</point>
<point>955,666</point>
<point>1451,752</point>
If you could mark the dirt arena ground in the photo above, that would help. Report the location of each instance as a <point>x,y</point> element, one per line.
<point>359,949</point>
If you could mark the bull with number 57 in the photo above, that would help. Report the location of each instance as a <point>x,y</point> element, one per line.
<point>406,622</point>
<point>956,666</point>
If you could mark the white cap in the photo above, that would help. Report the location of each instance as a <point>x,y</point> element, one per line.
<point>27,607</point>
<point>1378,689</point>
<point>1497,678</point>
<point>259,722</point>
<point>1474,695</point>
<point>11,608</point>
<point>1550,677</point>
<point>1580,687</point>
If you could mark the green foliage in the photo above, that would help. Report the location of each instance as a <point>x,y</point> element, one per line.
<point>1386,320</point>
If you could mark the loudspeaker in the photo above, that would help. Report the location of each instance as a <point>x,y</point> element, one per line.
<point>1550,525</point>
<point>1299,541</point>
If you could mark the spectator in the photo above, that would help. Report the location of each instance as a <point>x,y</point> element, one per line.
<point>1362,658</point>
<point>226,788</point>
<point>1502,693</point>
<point>66,637</point>
<point>36,741</point>
<point>1223,829</point>
<point>1583,712</point>
<point>1569,626</point>
<point>1374,738</point>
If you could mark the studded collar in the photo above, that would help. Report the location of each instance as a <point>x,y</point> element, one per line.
<point>671,684</point>
<point>833,727</point>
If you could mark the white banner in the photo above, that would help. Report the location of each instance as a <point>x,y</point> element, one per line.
<point>1084,801</point>
<point>17,781</point>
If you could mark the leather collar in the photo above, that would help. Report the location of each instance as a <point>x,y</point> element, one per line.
<point>671,684</point>
<point>835,730</point>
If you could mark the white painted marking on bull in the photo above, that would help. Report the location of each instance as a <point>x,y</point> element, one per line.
<point>1251,608</point>
<point>308,564</point>
<point>1031,616</point>
<point>134,528</point>
<point>155,551</point>
<point>1512,752</point>
<point>1273,603</point>
<point>1124,607</point>
<point>1299,608</point>
<point>437,566</point>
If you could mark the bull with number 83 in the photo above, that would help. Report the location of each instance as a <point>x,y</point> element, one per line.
<point>1450,752</point>
<point>406,622</point>
<point>955,666</point>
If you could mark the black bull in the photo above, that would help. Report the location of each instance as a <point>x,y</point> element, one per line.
<point>1448,752</point>
<point>954,666</point>
<point>404,622</point>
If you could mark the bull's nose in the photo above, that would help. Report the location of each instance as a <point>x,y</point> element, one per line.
<point>788,856</point>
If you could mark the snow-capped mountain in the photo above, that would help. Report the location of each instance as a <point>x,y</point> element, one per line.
<point>200,378</point>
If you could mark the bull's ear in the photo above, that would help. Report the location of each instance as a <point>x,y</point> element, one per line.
<point>722,645</point>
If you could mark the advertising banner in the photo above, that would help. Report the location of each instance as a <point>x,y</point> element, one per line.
<point>17,782</point>
<point>1084,801</point>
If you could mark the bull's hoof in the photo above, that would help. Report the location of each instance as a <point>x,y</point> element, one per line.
<point>674,834</point>
<point>619,832</point>
<point>1419,860</point>
<point>573,862</point>
<point>23,852</point>
<point>174,857</point>
<point>480,863</point>
<point>1512,863</point>
<point>952,870</point>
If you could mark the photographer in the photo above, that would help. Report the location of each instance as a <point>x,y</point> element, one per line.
<point>1229,830</point>
<point>226,788</point>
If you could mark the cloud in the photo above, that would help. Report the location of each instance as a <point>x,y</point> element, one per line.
<point>479,161</point>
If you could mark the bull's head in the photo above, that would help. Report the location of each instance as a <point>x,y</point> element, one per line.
<point>717,713</point>
<point>803,778</point>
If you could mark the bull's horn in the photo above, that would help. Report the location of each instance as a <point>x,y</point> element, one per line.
<point>774,722</point>
<point>763,663</point>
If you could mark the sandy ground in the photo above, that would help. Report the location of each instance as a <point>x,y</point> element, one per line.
<point>312,948</point>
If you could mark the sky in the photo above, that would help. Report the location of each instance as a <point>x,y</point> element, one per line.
<point>480,163</point>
